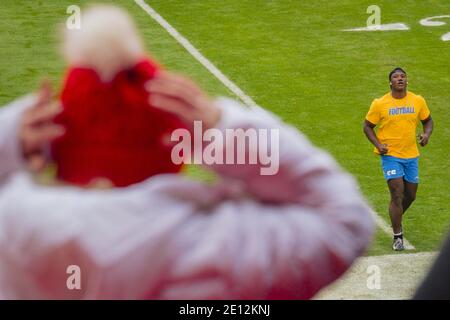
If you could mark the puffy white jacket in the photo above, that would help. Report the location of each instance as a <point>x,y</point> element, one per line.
<point>248,236</point>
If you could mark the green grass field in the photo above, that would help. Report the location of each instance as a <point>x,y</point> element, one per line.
<point>293,59</point>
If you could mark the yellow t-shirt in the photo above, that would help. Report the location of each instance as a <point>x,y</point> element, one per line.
<point>398,119</point>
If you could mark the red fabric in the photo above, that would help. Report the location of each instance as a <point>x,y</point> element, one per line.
<point>111,130</point>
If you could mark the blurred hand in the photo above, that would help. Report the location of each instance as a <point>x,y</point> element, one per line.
<point>37,129</point>
<point>382,148</point>
<point>183,97</point>
<point>423,139</point>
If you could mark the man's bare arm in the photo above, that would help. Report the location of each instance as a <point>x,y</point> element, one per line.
<point>370,134</point>
<point>428,126</point>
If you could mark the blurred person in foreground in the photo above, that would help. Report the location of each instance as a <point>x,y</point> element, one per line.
<point>246,236</point>
<point>112,134</point>
<point>436,285</point>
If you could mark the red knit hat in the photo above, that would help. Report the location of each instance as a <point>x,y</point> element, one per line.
<point>111,130</point>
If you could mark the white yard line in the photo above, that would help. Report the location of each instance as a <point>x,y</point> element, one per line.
<point>196,54</point>
<point>228,83</point>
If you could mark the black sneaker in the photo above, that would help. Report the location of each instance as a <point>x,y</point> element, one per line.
<point>398,244</point>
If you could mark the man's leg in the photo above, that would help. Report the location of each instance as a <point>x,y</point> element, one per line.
<point>411,180</point>
<point>409,195</point>
<point>396,188</point>
<point>393,171</point>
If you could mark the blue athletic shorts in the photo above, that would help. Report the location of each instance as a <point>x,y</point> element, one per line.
<point>394,167</point>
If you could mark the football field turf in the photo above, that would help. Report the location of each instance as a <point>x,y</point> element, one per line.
<point>293,59</point>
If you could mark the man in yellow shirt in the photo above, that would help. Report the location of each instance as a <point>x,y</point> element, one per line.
<point>397,114</point>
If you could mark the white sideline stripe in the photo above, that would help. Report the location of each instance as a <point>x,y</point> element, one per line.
<point>230,85</point>
<point>385,227</point>
<point>197,55</point>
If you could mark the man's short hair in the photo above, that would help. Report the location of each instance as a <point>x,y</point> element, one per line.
<point>394,71</point>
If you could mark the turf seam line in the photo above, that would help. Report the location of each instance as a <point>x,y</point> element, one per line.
<point>231,86</point>
<point>196,54</point>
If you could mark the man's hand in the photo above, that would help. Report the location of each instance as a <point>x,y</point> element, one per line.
<point>382,148</point>
<point>423,139</point>
<point>37,129</point>
<point>181,96</point>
